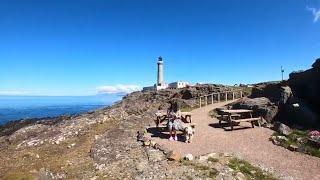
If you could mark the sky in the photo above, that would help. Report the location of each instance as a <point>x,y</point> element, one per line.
<point>84,47</point>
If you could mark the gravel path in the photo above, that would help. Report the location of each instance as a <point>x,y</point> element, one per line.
<point>252,144</point>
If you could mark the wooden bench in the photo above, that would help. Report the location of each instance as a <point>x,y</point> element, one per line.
<point>185,116</point>
<point>234,116</point>
<point>251,120</point>
<point>162,116</point>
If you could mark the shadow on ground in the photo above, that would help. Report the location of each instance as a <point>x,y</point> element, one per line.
<point>163,133</point>
<point>226,126</point>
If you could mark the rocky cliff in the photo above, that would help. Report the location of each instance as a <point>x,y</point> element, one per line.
<point>97,144</point>
<point>294,102</point>
<point>306,86</point>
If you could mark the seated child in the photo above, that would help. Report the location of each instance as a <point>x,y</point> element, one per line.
<point>174,124</point>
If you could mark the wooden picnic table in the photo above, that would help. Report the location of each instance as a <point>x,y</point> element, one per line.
<point>236,111</point>
<point>163,116</point>
<point>235,116</point>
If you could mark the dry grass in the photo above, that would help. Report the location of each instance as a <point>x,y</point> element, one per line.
<point>250,171</point>
<point>205,171</point>
<point>74,161</point>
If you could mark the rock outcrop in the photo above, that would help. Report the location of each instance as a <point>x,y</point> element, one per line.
<point>306,86</point>
<point>262,106</point>
<point>295,101</point>
<point>270,90</point>
<point>283,129</point>
<point>102,142</point>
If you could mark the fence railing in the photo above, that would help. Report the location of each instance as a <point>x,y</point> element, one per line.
<point>219,97</point>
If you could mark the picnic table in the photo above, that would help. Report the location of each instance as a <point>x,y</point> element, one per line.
<point>235,116</point>
<point>163,116</point>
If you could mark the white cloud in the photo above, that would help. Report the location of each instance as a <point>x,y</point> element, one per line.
<point>315,12</point>
<point>118,89</point>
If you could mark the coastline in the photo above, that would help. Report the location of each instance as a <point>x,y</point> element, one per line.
<point>24,108</point>
<point>44,112</point>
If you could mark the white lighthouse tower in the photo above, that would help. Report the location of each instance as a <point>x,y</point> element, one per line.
<point>160,72</point>
<point>160,80</point>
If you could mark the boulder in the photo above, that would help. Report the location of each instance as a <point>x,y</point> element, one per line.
<point>285,94</point>
<point>189,93</point>
<point>275,142</point>
<point>282,138</point>
<point>153,143</point>
<point>204,158</point>
<point>140,136</point>
<point>240,176</point>
<point>189,157</point>
<point>173,156</point>
<point>283,129</point>
<point>147,143</point>
<point>293,147</point>
<point>269,90</point>
<point>261,106</point>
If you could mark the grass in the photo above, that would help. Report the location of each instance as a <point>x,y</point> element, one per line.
<point>247,91</point>
<point>195,166</point>
<point>250,171</point>
<point>213,113</point>
<point>299,138</point>
<point>213,160</point>
<point>19,176</point>
<point>206,171</point>
<point>187,109</point>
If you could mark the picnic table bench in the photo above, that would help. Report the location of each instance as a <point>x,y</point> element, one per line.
<point>163,116</point>
<point>234,116</point>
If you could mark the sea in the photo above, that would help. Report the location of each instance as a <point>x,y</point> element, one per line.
<point>27,107</point>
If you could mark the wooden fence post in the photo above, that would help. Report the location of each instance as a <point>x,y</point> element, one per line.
<point>211,98</point>
<point>206,100</point>
<point>218,97</point>
<point>200,102</point>
<point>226,94</point>
<point>232,95</point>
<point>240,94</point>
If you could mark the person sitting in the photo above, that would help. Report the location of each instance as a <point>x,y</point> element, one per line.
<point>174,124</point>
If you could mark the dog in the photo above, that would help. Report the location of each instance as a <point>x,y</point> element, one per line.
<point>189,132</point>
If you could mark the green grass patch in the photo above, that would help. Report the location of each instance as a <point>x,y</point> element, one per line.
<point>213,160</point>
<point>312,151</point>
<point>213,113</point>
<point>247,91</point>
<point>195,166</point>
<point>187,109</point>
<point>300,139</point>
<point>206,171</point>
<point>250,171</point>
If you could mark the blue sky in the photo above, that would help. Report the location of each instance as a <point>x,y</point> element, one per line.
<point>76,47</point>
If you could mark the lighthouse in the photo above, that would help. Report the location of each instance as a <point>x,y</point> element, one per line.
<point>160,80</point>
<point>161,84</point>
<point>160,72</point>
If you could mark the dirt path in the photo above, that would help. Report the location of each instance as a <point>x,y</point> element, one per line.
<point>252,144</point>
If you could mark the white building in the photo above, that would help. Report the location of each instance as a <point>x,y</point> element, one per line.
<point>178,85</point>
